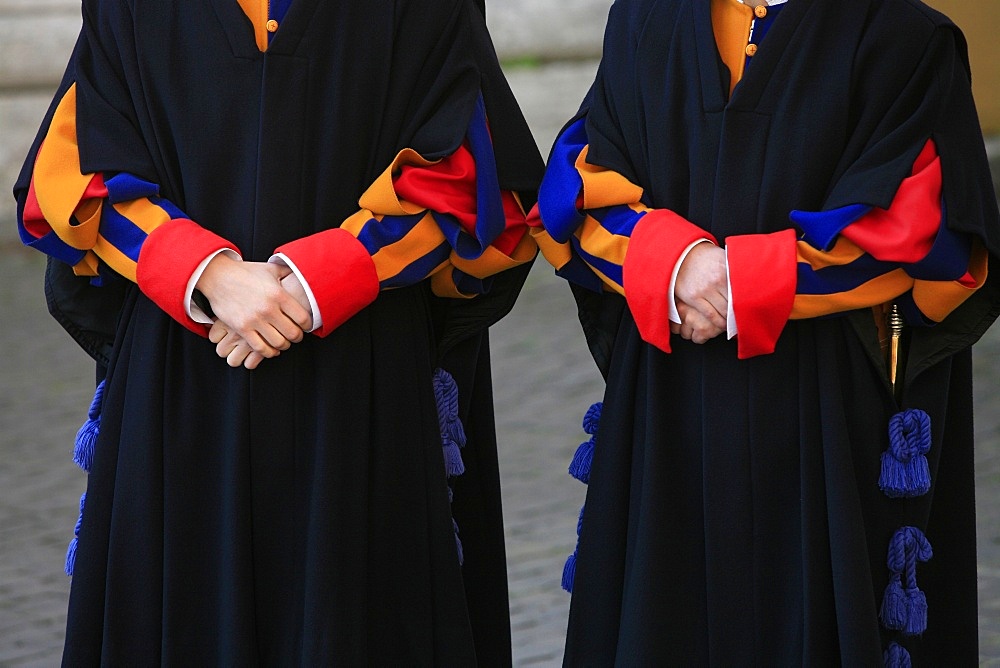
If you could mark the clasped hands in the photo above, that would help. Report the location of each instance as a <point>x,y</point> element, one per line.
<point>260,309</point>
<point>701,293</point>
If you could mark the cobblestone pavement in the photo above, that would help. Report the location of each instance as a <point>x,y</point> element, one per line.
<point>543,382</point>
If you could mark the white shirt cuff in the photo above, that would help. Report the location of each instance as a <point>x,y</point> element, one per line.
<point>193,310</point>
<point>317,317</point>
<point>730,311</point>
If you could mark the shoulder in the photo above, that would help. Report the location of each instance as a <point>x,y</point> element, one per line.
<point>910,32</point>
<point>629,20</point>
<point>917,11</point>
<point>911,17</point>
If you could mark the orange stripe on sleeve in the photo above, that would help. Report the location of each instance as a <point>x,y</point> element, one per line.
<point>876,291</point>
<point>59,183</point>
<point>937,299</point>
<point>604,187</point>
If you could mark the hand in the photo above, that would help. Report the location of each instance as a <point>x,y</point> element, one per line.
<point>694,326</point>
<point>702,287</point>
<point>232,347</point>
<point>248,298</point>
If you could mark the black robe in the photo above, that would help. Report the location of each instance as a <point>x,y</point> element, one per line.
<point>297,514</point>
<point>733,514</point>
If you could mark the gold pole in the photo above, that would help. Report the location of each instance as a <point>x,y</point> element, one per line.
<point>895,319</point>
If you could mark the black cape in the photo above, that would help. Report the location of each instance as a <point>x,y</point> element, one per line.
<point>734,515</point>
<point>298,514</point>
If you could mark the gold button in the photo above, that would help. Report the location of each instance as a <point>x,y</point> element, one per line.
<point>751,49</point>
<point>271,25</point>
<point>760,11</point>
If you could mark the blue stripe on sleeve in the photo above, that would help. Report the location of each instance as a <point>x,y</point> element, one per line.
<point>51,244</point>
<point>377,234</point>
<point>610,269</point>
<point>840,278</point>
<point>124,187</point>
<point>562,184</point>
<point>948,259</point>
<point>419,269</point>
<point>820,228</point>
<point>490,218</point>
<point>577,271</point>
<point>121,232</point>
<point>620,219</point>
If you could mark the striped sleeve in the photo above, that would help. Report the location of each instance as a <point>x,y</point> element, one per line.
<point>857,256</point>
<point>445,219</point>
<point>593,227</point>
<point>119,222</point>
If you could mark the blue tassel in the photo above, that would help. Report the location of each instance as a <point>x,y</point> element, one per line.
<point>71,557</point>
<point>569,573</point>
<point>86,437</point>
<point>83,447</point>
<point>592,419</point>
<point>71,549</point>
<point>904,608</point>
<point>569,569</point>
<point>579,468</point>
<point>905,472</point>
<point>453,464</point>
<point>894,612</point>
<point>452,432</point>
<point>916,608</point>
<point>896,657</point>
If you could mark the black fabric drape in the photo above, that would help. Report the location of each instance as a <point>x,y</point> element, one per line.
<point>298,514</point>
<point>733,515</point>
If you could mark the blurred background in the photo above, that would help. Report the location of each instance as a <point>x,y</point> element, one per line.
<point>544,379</point>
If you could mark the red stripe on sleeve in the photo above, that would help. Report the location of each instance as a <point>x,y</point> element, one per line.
<point>447,186</point>
<point>95,188</point>
<point>33,219</point>
<point>339,271</point>
<point>168,259</point>
<point>762,279</point>
<point>905,231</point>
<point>655,245</point>
<point>517,225</point>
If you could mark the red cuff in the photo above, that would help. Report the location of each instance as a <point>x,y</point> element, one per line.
<point>762,278</point>
<point>168,259</point>
<point>655,245</point>
<point>340,273</point>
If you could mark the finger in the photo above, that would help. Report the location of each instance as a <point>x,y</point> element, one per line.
<point>720,303</point>
<point>290,323</point>
<point>259,345</point>
<point>217,332</point>
<point>279,270</point>
<point>294,287</point>
<point>289,330</point>
<point>238,355</point>
<point>227,344</point>
<point>699,329</point>
<point>709,313</point>
<point>300,317</point>
<point>252,360</point>
<point>276,338</point>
